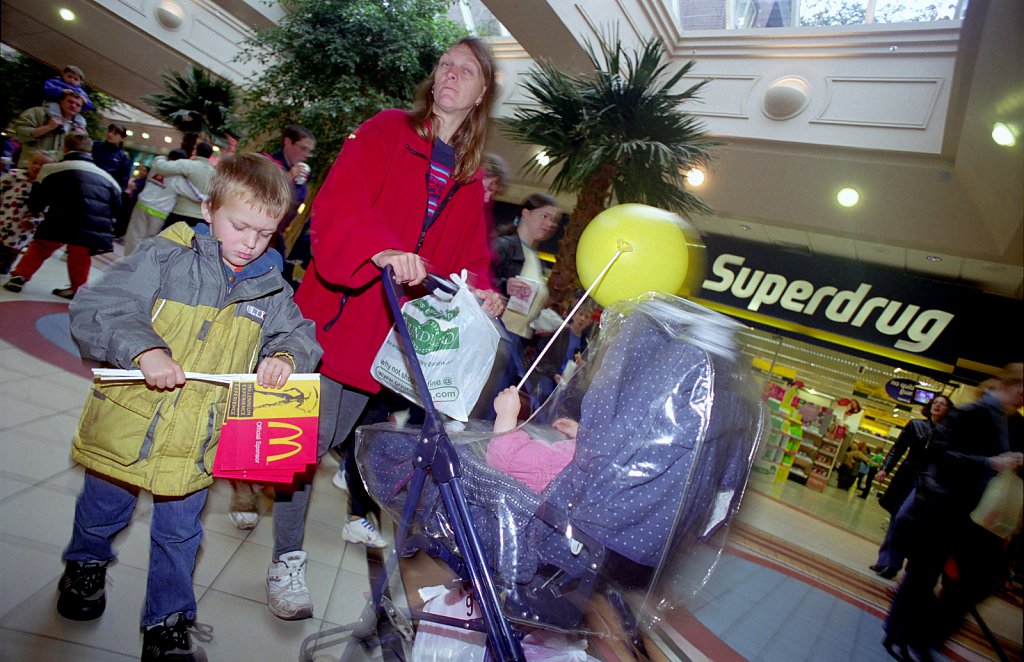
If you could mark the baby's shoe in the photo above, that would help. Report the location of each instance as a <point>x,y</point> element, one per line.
<point>82,587</point>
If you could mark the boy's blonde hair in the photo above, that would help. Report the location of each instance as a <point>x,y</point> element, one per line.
<point>255,180</point>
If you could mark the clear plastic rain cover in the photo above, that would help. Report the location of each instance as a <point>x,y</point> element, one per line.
<point>604,533</point>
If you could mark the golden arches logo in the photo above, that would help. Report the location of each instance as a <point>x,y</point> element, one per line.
<point>285,441</point>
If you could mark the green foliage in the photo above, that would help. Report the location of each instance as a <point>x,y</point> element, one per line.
<point>330,64</point>
<point>21,88</point>
<point>625,119</point>
<point>829,12</point>
<point>617,134</point>
<point>854,12</point>
<point>196,102</point>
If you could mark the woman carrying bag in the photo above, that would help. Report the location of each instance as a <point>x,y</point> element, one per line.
<point>913,441</point>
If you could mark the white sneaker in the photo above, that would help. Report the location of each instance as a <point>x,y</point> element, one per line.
<point>339,479</point>
<point>363,532</point>
<point>244,520</point>
<point>287,595</point>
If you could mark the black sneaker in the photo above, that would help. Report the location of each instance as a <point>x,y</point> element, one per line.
<point>14,284</point>
<point>82,590</point>
<point>171,641</point>
<point>65,292</point>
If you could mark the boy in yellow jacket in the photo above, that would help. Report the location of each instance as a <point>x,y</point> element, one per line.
<point>209,299</point>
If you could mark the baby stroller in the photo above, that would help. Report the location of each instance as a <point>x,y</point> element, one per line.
<point>668,426</point>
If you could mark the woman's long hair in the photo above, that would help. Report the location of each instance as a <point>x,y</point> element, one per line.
<point>468,139</point>
<point>926,408</point>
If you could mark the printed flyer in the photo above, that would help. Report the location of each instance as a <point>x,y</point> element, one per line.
<point>268,434</point>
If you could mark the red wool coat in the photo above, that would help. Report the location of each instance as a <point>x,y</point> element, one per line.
<point>375,198</point>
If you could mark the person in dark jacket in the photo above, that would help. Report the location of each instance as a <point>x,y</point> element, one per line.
<point>297,145</point>
<point>80,202</point>
<point>563,351</point>
<point>518,272</point>
<point>110,155</point>
<point>938,526</point>
<point>913,441</point>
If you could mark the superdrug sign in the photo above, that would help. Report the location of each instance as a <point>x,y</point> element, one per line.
<point>892,310</point>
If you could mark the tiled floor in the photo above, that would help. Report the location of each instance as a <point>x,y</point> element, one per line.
<point>750,609</point>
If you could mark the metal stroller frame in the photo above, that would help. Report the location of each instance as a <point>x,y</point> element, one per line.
<point>382,623</point>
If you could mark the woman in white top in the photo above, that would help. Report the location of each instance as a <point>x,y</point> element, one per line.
<point>519,275</point>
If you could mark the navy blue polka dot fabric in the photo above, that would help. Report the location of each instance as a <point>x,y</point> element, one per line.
<point>667,430</point>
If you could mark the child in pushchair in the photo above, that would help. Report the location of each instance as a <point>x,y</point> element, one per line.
<point>668,422</point>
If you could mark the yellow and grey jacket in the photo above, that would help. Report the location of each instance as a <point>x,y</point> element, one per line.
<point>174,293</point>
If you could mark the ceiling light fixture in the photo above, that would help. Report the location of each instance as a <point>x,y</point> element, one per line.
<point>695,177</point>
<point>933,258</point>
<point>543,159</point>
<point>167,139</point>
<point>744,227</point>
<point>145,136</point>
<point>216,149</point>
<point>129,132</point>
<point>66,14</point>
<point>1003,134</point>
<point>848,197</point>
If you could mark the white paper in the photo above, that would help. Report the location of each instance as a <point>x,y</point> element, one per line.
<point>119,375</point>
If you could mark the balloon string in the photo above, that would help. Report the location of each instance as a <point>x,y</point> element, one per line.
<point>624,247</point>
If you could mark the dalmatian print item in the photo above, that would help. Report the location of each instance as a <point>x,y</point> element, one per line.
<point>17,225</point>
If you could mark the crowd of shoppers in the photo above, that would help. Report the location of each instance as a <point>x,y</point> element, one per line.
<point>410,190</point>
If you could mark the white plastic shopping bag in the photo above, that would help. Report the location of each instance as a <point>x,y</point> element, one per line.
<point>442,643</point>
<point>455,341</point>
<point>1001,505</point>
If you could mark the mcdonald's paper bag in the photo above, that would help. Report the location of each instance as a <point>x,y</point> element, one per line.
<point>269,435</point>
<point>455,343</point>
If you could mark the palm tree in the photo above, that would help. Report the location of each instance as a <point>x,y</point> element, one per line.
<point>615,134</point>
<point>197,104</point>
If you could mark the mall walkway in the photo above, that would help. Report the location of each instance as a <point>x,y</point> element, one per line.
<point>789,587</point>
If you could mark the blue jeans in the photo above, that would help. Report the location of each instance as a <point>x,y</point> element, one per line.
<point>105,507</point>
<point>889,557</point>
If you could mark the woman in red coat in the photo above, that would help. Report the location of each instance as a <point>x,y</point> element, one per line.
<point>403,192</point>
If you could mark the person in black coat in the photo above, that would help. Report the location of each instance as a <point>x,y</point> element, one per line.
<point>913,441</point>
<point>110,156</point>
<point>81,203</point>
<point>938,526</point>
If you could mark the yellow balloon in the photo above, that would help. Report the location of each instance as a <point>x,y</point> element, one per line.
<point>660,251</point>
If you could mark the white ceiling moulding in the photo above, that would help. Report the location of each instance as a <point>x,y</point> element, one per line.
<point>897,103</point>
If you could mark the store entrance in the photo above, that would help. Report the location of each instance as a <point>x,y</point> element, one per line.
<point>833,419</point>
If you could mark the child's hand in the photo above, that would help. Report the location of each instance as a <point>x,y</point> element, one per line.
<point>567,426</point>
<point>506,409</point>
<point>507,402</point>
<point>274,371</point>
<point>160,370</point>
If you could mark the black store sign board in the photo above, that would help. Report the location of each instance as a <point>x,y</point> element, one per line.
<point>898,312</point>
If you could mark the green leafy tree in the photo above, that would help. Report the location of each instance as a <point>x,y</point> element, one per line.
<point>830,12</point>
<point>330,64</point>
<point>21,88</point>
<point>197,104</point>
<point>618,134</point>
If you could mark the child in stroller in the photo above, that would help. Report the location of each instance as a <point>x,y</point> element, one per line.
<point>534,462</point>
<point>668,424</point>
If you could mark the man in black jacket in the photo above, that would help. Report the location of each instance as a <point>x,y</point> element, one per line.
<point>111,157</point>
<point>81,202</point>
